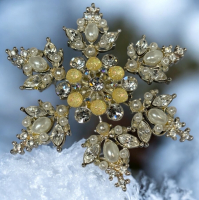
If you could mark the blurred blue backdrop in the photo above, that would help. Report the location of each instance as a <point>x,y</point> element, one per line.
<point>28,23</point>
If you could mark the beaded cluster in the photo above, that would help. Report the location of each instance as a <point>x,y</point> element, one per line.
<point>98,87</point>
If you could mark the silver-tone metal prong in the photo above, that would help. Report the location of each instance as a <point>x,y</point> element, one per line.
<point>13,152</point>
<point>22,109</point>
<point>14,143</point>
<point>190,138</point>
<point>83,164</point>
<point>18,136</point>
<point>64,28</point>
<point>48,39</point>
<point>183,124</point>
<point>59,149</point>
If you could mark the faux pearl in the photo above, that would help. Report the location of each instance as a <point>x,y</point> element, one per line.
<point>26,121</point>
<point>93,64</point>
<point>158,128</point>
<point>131,65</point>
<point>119,95</point>
<point>47,105</point>
<point>80,22</point>
<point>33,51</point>
<point>93,139</point>
<point>136,105</point>
<point>74,76</point>
<point>63,121</point>
<point>118,129</point>
<point>172,110</point>
<point>103,43</point>
<point>152,58</point>
<point>103,165</point>
<point>145,70</point>
<point>124,153</point>
<point>44,137</point>
<point>62,110</point>
<point>91,32</point>
<point>103,128</point>
<point>90,51</point>
<point>157,116</point>
<point>153,46</point>
<point>46,79</point>
<point>98,107</point>
<point>103,23</point>
<point>111,151</point>
<point>27,69</point>
<point>56,58</point>
<point>41,125</point>
<point>116,73</point>
<point>38,63</point>
<point>148,96</point>
<point>137,117</point>
<point>131,53</point>
<point>59,73</point>
<point>75,99</point>
<point>79,44</point>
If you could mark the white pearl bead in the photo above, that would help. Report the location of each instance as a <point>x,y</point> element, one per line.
<point>56,58</point>
<point>38,63</point>
<point>153,46</point>
<point>91,32</point>
<point>118,130</point>
<point>111,151</point>
<point>44,137</point>
<point>102,43</point>
<point>152,58</point>
<point>41,125</point>
<point>80,22</point>
<point>131,65</point>
<point>79,44</point>
<point>33,51</point>
<point>157,116</point>
<point>137,117</point>
<point>124,153</point>
<point>90,51</point>
<point>172,110</point>
<point>103,165</point>
<point>103,128</point>
<point>93,139</point>
<point>145,70</point>
<point>158,128</point>
<point>63,121</point>
<point>47,105</point>
<point>26,121</point>
<point>131,53</point>
<point>136,104</point>
<point>148,96</point>
<point>46,79</point>
<point>62,110</point>
<point>27,69</point>
<point>103,23</point>
<point>59,73</point>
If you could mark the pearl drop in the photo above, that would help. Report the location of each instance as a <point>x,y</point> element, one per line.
<point>152,58</point>
<point>103,165</point>
<point>80,22</point>
<point>153,46</point>
<point>56,58</point>
<point>79,44</point>
<point>27,69</point>
<point>59,73</point>
<point>91,32</point>
<point>103,23</point>
<point>131,53</point>
<point>136,105</point>
<point>124,153</point>
<point>46,79</point>
<point>103,128</point>
<point>111,151</point>
<point>63,121</point>
<point>131,65</point>
<point>90,51</point>
<point>33,51</point>
<point>41,125</point>
<point>172,110</point>
<point>26,121</point>
<point>47,105</point>
<point>103,43</point>
<point>158,128</point>
<point>38,63</point>
<point>93,139</point>
<point>157,116</point>
<point>62,110</point>
<point>118,129</point>
<point>44,137</point>
<point>148,96</point>
<point>137,117</point>
<point>145,71</point>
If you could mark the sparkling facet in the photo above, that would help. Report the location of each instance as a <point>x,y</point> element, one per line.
<point>50,48</point>
<point>32,81</point>
<point>162,100</point>
<point>144,131</point>
<point>109,60</point>
<point>57,136</point>
<point>129,83</point>
<point>96,84</point>
<point>115,112</point>
<point>82,114</point>
<point>91,153</point>
<point>73,35</point>
<point>63,89</point>
<point>35,111</point>
<point>77,62</point>
<point>128,141</point>
<point>141,46</point>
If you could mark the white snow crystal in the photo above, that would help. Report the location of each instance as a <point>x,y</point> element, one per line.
<point>46,174</point>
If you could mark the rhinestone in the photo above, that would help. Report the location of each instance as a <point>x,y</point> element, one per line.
<point>32,81</point>
<point>91,153</point>
<point>144,132</point>
<point>73,35</point>
<point>115,112</point>
<point>141,46</point>
<point>35,111</point>
<point>96,84</point>
<point>77,62</point>
<point>57,136</point>
<point>109,60</point>
<point>129,83</point>
<point>50,48</point>
<point>63,89</point>
<point>82,115</point>
<point>162,100</point>
<point>128,141</point>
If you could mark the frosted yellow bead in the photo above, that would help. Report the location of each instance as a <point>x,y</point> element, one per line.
<point>116,73</point>
<point>75,99</point>
<point>93,64</point>
<point>98,107</point>
<point>119,95</point>
<point>73,76</point>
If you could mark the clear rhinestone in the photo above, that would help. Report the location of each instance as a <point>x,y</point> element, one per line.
<point>144,131</point>
<point>111,37</point>
<point>32,81</point>
<point>180,51</point>
<point>19,61</point>
<point>24,53</point>
<point>77,62</point>
<point>58,135</point>
<point>129,83</point>
<point>91,153</point>
<point>35,111</point>
<point>173,57</point>
<point>168,50</point>
<point>63,89</point>
<point>23,135</point>
<point>109,60</point>
<point>76,86</point>
<point>115,112</point>
<point>73,35</point>
<point>128,141</point>
<point>162,100</point>
<point>82,114</point>
<point>96,84</point>
<point>141,46</point>
<point>172,133</point>
<point>50,48</point>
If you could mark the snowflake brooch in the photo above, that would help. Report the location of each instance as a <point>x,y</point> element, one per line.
<point>98,86</point>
